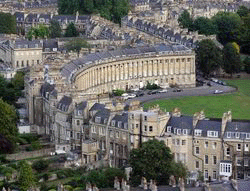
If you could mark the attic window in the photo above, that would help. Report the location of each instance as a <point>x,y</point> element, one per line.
<point>228,134</point>
<point>119,124</point>
<point>169,129</point>
<point>184,131</point>
<point>237,135</point>
<point>113,123</point>
<point>125,126</point>
<point>105,120</point>
<point>97,119</point>
<point>247,135</point>
<point>197,132</point>
<point>212,133</point>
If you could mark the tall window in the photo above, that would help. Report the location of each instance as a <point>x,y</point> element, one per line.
<point>145,128</point>
<point>197,150</point>
<point>206,159</point>
<point>214,175</point>
<point>78,122</point>
<point>214,145</point>
<point>150,128</point>
<point>206,174</point>
<point>214,159</point>
<point>206,144</point>
<point>145,118</point>
<point>239,147</point>
<point>228,151</point>
<point>197,164</point>
<point>183,142</point>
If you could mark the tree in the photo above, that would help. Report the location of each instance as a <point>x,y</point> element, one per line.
<point>242,11</point>
<point>26,178</point>
<point>41,31</point>
<point>208,56</point>
<point>55,29</point>
<point>228,26</point>
<point>118,92</point>
<point>8,130</point>
<point>71,31</point>
<point>185,20</point>
<point>7,23</point>
<point>120,9</point>
<point>247,64</point>
<point>40,165</point>
<point>76,45</point>
<point>153,160</point>
<point>7,91</point>
<point>204,26</point>
<point>18,80</point>
<point>231,59</point>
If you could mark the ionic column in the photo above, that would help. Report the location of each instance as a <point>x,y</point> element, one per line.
<point>122,71</point>
<point>156,68</point>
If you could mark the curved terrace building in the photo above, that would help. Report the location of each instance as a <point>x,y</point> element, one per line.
<point>132,68</point>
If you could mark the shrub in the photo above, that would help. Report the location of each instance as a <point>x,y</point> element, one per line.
<point>40,165</point>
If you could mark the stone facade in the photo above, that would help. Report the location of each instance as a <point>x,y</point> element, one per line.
<point>27,53</point>
<point>132,68</point>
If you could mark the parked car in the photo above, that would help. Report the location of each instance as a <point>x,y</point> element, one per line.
<point>163,91</point>
<point>139,94</point>
<point>209,84</point>
<point>218,92</point>
<point>130,96</point>
<point>177,90</point>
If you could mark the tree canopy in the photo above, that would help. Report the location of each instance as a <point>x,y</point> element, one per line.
<point>228,26</point>
<point>185,20</point>
<point>7,91</point>
<point>243,11</point>
<point>40,31</point>
<point>208,56</point>
<point>8,128</point>
<point>231,59</point>
<point>76,45</point>
<point>55,29</point>
<point>109,9</point>
<point>204,26</point>
<point>71,31</point>
<point>153,160</point>
<point>7,23</point>
<point>26,178</point>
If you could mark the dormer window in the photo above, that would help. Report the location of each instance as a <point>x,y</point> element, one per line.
<point>247,135</point>
<point>105,121</point>
<point>197,132</point>
<point>113,123</point>
<point>169,129</point>
<point>212,133</point>
<point>97,119</point>
<point>237,135</point>
<point>184,131</point>
<point>178,131</point>
<point>119,124</point>
<point>125,126</point>
<point>228,134</point>
<point>175,130</point>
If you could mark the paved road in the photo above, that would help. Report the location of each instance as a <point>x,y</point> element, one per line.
<point>197,91</point>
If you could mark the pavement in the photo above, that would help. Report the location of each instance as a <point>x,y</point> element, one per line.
<point>197,91</point>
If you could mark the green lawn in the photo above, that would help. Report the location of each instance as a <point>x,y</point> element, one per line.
<point>213,106</point>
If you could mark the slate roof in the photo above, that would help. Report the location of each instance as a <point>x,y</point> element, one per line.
<point>238,127</point>
<point>51,43</point>
<point>64,103</point>
<point>27,44</point>
<point>46,87</point>
<point>97,106</point>
<point>183,122</point>
<point>207,125</point>
<point>121,118</point>
<point>81,106</point>
<point>69,69</point>
<point>103,114</point>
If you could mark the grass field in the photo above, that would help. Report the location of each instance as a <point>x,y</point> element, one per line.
<point>213,106</point>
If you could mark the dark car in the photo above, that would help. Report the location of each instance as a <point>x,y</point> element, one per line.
<point>155,91</point>
<point>139,94</point>
<point>209,84</point>
<point>177,90</point>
